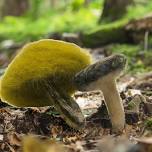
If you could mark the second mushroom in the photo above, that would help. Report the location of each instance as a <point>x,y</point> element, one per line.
<point>102,76</point>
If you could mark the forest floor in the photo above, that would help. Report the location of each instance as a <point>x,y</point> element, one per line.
<point>46,123</point>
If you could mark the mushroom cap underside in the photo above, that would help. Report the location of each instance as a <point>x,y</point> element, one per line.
<point>39,63</point>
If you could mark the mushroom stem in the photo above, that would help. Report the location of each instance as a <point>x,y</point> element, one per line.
<point>114,105</point>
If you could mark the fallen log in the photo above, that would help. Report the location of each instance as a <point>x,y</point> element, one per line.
<point>134,31</point>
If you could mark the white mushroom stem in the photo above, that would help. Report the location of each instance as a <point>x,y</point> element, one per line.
<point>113,101</point>
<point>114,105</point>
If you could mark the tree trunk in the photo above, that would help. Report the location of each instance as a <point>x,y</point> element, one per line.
<point>114,9</point>
<point>13,7</point>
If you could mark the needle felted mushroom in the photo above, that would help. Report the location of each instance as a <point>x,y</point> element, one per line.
<point>44,73</point>
<point>41,75</point>
<point>102,76</point>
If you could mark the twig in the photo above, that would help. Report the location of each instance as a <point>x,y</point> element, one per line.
<point>146,40</point>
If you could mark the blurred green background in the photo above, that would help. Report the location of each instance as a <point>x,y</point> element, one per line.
<point>22,21</point>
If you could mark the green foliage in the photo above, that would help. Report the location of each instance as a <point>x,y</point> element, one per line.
<point>21,29</point>
<point>148,124</point>
<point>138,10</point>
<point>63,19</point>
<point>35,8</point>
<point>96,4</point>
<point>131,105</point>
<point>128,50</point>
<point>83,20</point>
<point>137,58</point>
<point>25,29</point>
<point>77,4</point>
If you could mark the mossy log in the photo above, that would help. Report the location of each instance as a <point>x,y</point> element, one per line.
<point>124,31</point>
<point>111,33</point>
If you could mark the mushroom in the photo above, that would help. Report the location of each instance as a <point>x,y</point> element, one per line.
<point>47,72</point>
<point>102,76</point>
<point>41,75</point>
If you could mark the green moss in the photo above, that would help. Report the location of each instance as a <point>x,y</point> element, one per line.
<point>105,34</point>
<point>138,10</point>
<point>24,29</point>
<point>136,62</point>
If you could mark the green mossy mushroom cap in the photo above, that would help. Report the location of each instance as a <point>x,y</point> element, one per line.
<point>40,63</point>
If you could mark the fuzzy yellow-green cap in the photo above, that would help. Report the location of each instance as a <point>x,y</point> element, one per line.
<point>51,60</point>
